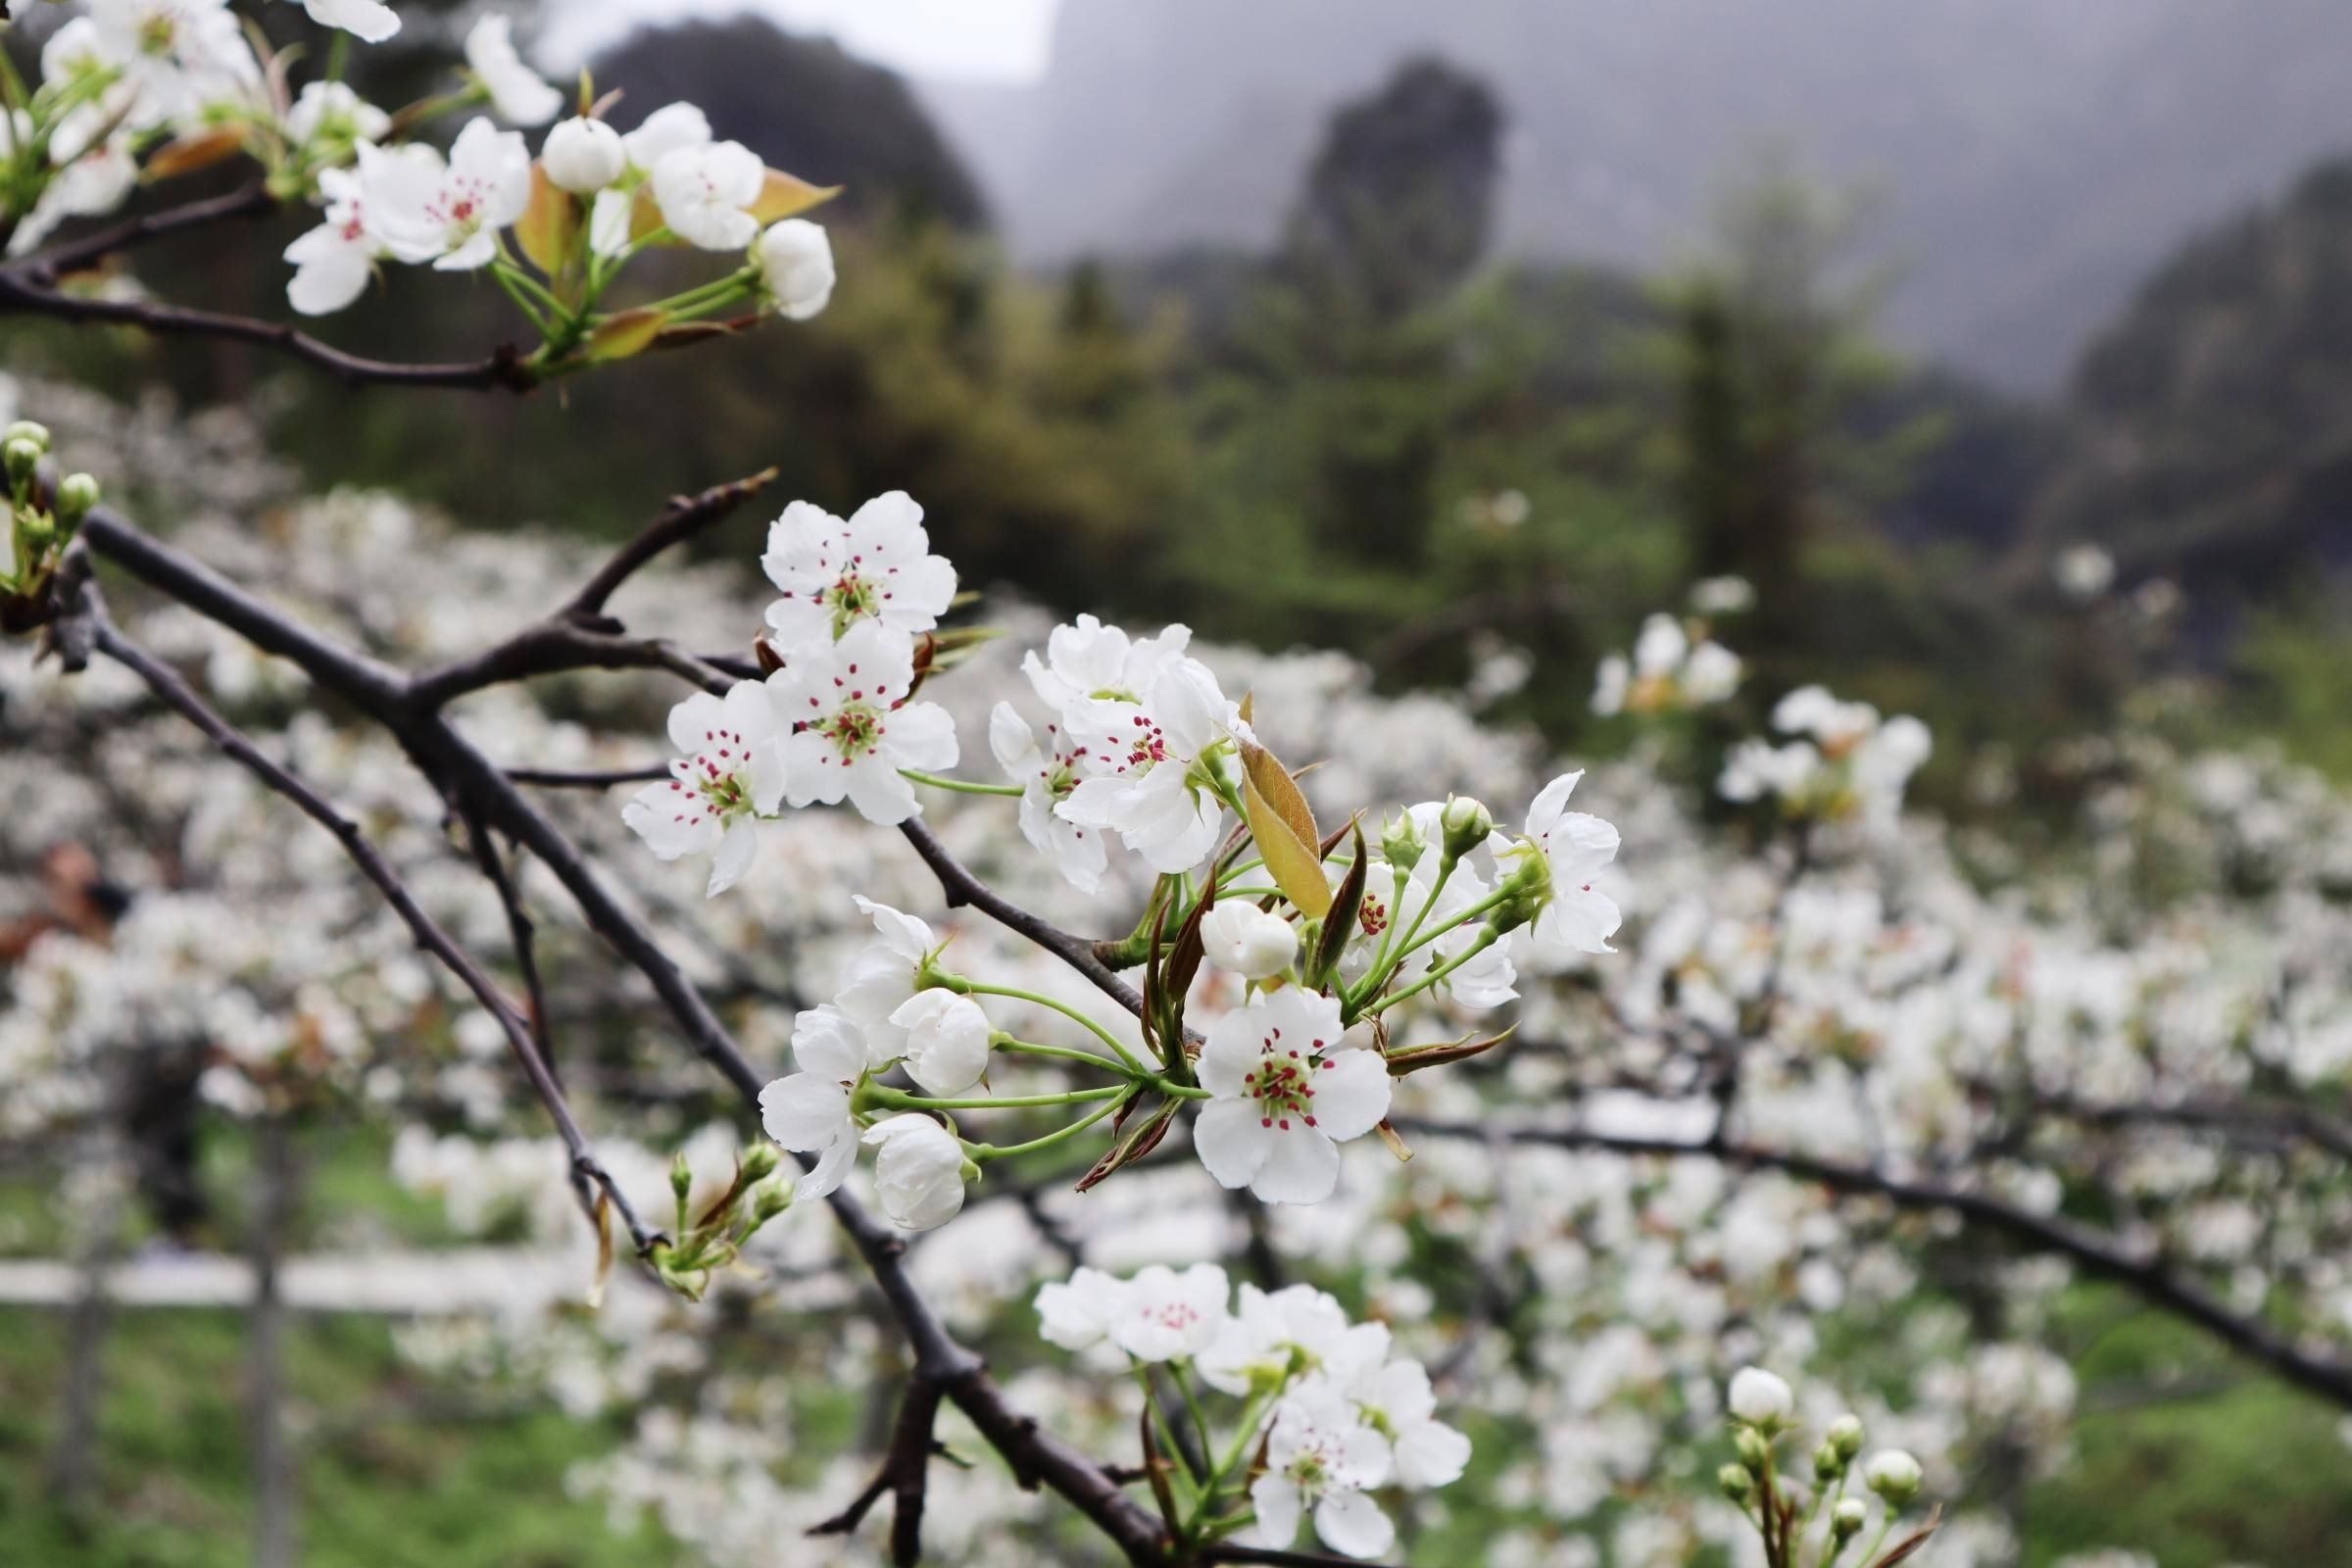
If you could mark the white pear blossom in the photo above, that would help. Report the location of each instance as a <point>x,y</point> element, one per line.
<point>1270,1331</point>
<point>1087,659</point>
<point>946,1040</point>
<point>1755,768</point>
<point>884,975</point>
<point>918,1170</point>
<point>1076,1313</point>
<point>1759,1397</point>
<point>1239,937</point>
<point>333,112</point>
<point>855,729</point>
<point>807,1111</point>
<point>1393,1398</point>
<point>706,191</point>
<point>877,567</point>
<point>369,20</point>
<point>1319,1457</point>
<point>448,214</point>
<point>94,177</point>
<point>582,155</point>
<point>1139,757</point>
<point>795,258</point>
<point>1285,1094</point>
<point>1045,777</point>
<point>665,130</point>
<point>1835,726</point>
<point>176,57</point>
<point>731,773</point>
<point>1576,847</point>
<point>516,91</point>
<point>1163,1315</point>
<point>1710,674</point>
<point>333,261</point>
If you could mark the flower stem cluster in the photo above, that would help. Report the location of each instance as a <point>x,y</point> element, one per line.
<point>33,535</point>
<point>1762,1409</point>
<point>712,1238</point>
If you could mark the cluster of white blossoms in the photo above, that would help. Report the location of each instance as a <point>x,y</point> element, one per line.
<point>1674,667</point>
<point>594,199</point>
<point>141,90</point>
<point>1142,748</point>
<point>1845,761</point>
<point>1329,1412</point>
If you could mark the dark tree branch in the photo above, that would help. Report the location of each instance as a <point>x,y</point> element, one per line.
<point>904,1473</point>
<point>1036,1456</point>
<point>2095,1253</point>
<point>685,517</point>
<point>505,369</point>
<point>45,268</point>
<point>165,683</point>
<point>611,778</point>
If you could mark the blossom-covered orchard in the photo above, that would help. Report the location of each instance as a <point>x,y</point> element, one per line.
<point>1324,1158</point>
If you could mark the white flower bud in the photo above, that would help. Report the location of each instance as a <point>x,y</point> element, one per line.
<point>1894,1475</point>
<point>1466,823</point>
<point>583,155</point>
<point>948,1039</point>
<point>1849,1516</point>
<point>919,1170</point>
<point>795,258</point>
<point>1845,1435</point>
<point>1247,941</point>
<point>1760,1398</point>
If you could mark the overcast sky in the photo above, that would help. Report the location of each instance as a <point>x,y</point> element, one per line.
<point>970,40</point>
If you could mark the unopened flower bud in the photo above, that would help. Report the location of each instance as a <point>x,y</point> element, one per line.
<point>759,1162</point>
<point>1737,1484</point>
<point>21,456</point>
<point>76,494</point>
<point>795,260</point>
<point>582,156</point>
<point>681,1176</point>
<point>770,1199</point>
<point>1400,842</point>
<point>1850,1515</point>
<point>1753,1447</point>
<point>1828,1462</point>
<point>1761,1400</point>
<point>1894,1475</point>
<point>1239,937</point>
<point>1466,824</point>
<point>1845,1435</point>
<point>28,430</point>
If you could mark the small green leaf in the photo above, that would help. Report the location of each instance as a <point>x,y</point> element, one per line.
<point>550,225</point>
<point>625,336</point>
<point>1284,826</point>
<point>784,195</point>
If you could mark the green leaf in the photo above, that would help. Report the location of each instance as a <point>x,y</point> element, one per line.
<point>784,195</point>
<point>550,225</point>
<point>1284,826</point>
<point>625,336</point>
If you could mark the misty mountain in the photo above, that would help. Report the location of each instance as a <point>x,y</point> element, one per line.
<point>2036,160</point>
